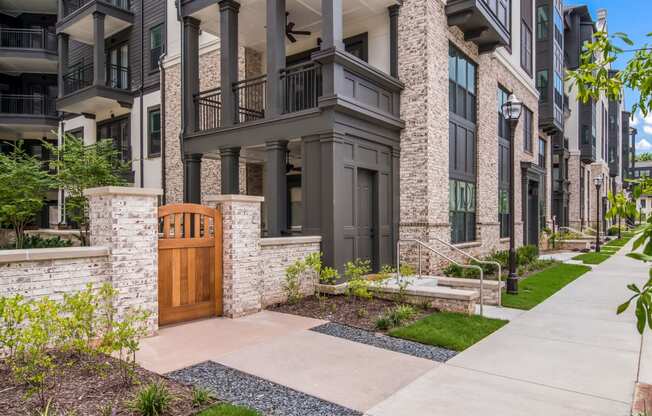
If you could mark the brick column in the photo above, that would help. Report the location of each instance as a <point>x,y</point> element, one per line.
<point>125,220</point>
<point>242,274</point>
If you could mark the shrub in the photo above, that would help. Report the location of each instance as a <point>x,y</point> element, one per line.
<point>328,275</point>
<point>36,241</point>
<point>292,286</point>
<point>395,316</point>
<point>382,323</point>
<point>357,268</point>
<point>13,312</point>
<point>152,400</point>
<point>200,396</point>
<point>385,271</point>
<point>527,254</point>
<point>358,288</point>
<point>406,270</point>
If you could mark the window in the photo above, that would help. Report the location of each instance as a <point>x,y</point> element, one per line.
<point>119,66</point>
<point>154,131</point>
<point>542,85</point>
<point>642,203</point>
<point>527,129</point>
<point>542,153</point>
<point>542,22</point>
<point>462,146</point>
<point>117,130</point>
<point>526,36</point>
<point>559,28</point>
<point>504,168</point>
<point>155,46</point>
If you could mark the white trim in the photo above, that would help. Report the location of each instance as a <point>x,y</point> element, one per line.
<point>123,190</point>
<point>278,241</point>
<point>37,254</point>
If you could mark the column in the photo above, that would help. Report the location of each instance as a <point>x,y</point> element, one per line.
<point>332,73</point>
<point>192,177</point>
<point>228,58</point>
<point>230,170</point>
<point>275,56</point>
<point>276,192</point>
<point>190,73</point>
<point>99,54</point>
<point>125,220</point>
<point>242,277</point>
<point>393,39</point>
<point>64,52</point>
<point>331,201</point>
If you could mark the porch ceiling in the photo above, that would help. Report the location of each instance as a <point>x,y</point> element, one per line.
<point>306,14</point>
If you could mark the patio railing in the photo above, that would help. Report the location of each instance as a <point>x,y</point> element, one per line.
<point>249,95</point>
<point>27,39</point>
<point>301,86</point>
<point>27,104</point>
<point>208,105</point>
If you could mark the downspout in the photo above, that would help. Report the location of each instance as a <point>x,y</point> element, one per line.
<point>182,47</point>
<point>142,91</point>
<point>162,83</point>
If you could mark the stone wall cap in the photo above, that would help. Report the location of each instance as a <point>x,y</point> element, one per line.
<point>36,254</point>
<point>123,190</point>
<point>303,239</point>
<point>234,198</point>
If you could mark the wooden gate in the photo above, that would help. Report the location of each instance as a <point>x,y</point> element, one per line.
<point>189,263</point>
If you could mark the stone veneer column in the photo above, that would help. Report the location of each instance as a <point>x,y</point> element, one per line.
<point>125,220</point>
<point>242,275</point>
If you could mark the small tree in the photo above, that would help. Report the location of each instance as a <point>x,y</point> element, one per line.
<point>23,187</point>
<point>78,167</point>
<point>620,206</point>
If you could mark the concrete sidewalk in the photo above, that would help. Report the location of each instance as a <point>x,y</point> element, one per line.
<point>571,355</point>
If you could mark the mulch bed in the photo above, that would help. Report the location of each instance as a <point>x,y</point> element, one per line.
<point>359,313</point>
<point>90,390</point>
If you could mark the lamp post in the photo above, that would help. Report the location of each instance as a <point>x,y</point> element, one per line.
<point>597,181</point>
<point>512,112</point>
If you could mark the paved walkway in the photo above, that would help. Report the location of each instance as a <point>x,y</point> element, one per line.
<point>571,355</point>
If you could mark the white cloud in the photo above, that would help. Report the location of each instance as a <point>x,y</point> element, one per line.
<point>634,120</point>
<point>648,120</point>
<point>643,145</point>
<point>647,128</point>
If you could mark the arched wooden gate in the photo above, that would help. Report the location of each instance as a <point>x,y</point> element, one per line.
<point>189,263</point>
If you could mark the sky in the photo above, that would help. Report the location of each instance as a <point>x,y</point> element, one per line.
<point>633,17</point>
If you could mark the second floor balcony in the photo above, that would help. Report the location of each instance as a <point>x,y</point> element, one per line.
<point>28,50</point>
<point>81,19</point>
<point>86,91</point>
<point>484,22</point>
<point>27,116</point>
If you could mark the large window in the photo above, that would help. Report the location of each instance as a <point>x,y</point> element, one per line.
<point>543,21</point>
<point>526,35</point>
<point>156,43</point>
<point>504,168</point>
<point>154,131</point>
<point>117,130</point>
<point>528,132</point>
<point>462,146</point>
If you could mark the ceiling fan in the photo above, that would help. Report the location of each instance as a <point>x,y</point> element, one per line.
<point>290,32</point>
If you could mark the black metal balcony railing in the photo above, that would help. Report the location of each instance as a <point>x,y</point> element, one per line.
<point>249,95</point>
<point>27,39</point>
<point>27,104</point>
<point>69,6</point>
<point>301,86</point>
<point>81,76</point>
<point>208,105</point>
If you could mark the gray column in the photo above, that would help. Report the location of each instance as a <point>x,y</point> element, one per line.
<point>64,52</point>
<point>331,32</point>
<point>275,56</point>
<point>228,58</point>
<point>99,55</point>
<point>190,72</point>
<point>393,39</point>
<point>230,169</point>
<point>396,199</point>
<point>276,190</point>
<point>60,9</point>
<point>332,225</point>
<point>192,177</point>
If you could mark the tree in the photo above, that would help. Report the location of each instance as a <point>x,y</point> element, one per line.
<point>79,167</point>
<point>620,206</point>
<point>644,157</point>
<point>23,187</point>
<point>593,77</point>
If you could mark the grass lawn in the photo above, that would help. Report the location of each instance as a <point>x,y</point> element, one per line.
<point>226,409</point>
<point>540,286</point>
<point>593,258</point>
<point>449,330</point>
<point>617,243</point>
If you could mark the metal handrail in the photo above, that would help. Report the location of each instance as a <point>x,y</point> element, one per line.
<point>422,244</point>
<point>495,263</point>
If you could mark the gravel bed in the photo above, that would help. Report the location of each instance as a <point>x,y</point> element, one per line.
<point>269,398</point>
<point>386,342</point>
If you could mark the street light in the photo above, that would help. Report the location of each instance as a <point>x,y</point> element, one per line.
<point>597,181</point>
<point>512,112</point>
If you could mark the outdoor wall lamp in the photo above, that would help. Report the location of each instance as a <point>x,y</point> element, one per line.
<point>512,109</point>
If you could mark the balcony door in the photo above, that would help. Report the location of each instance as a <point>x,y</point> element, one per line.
<point>118,131</point>
<point>118,67</point>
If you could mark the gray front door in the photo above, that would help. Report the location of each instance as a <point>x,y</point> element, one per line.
<point>365,217</point>
<point>533,213</point>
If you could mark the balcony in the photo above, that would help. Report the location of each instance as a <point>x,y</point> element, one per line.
<point>77,18</point>
<point>83,95</point>
<point>34,6</point>
<point>28,50</point>
<point>484,22</point>
<point>27,116</point>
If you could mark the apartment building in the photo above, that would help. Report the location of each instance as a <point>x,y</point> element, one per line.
<point>28,88</point>
<point>362,122</point>
<point>109,77</point>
